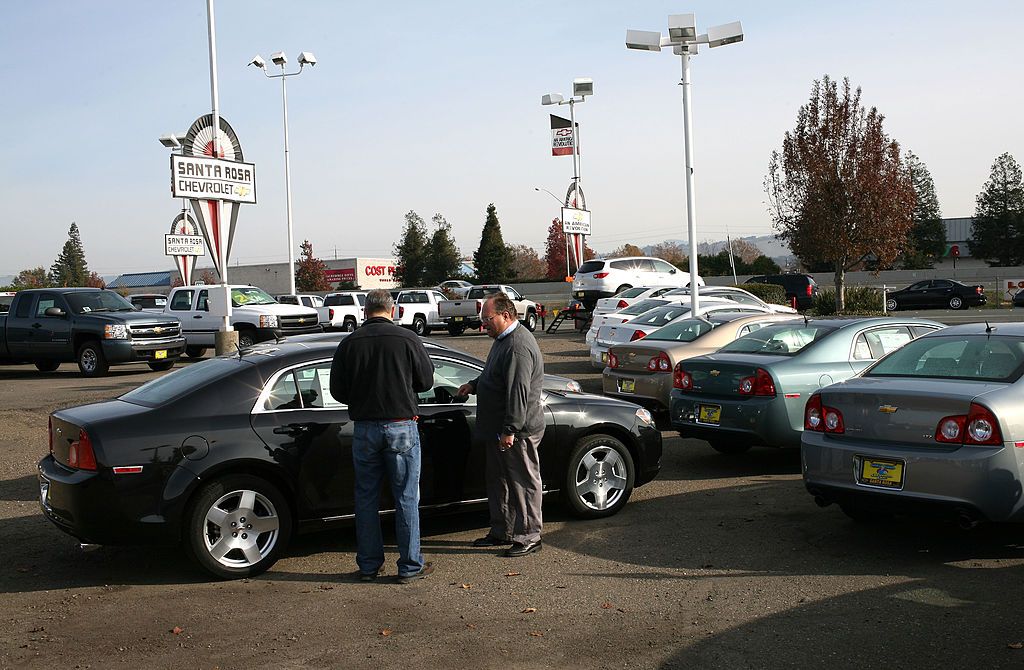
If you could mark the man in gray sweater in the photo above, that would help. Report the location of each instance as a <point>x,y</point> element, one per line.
<point>510,425</point>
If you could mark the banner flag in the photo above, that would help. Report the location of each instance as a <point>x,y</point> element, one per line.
<point>561,136</point>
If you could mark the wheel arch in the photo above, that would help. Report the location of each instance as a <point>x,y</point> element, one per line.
<point>627,438</point>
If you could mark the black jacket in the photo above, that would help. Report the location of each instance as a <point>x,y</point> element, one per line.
<point>379,369</point>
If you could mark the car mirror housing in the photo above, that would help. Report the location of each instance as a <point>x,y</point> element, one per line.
<point>54,311</point>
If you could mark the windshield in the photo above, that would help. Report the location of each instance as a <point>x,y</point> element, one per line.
<point>780,340</point>
<point>591,266</point>
<point>97,301</point>
<point>631,292</point>
<point>978,357</point>
<point>483,292</point>
<point>662,315</point>
<point>641,307</point>
<point>250,295</point>
<point>686,330</point>
<point>181,381</point>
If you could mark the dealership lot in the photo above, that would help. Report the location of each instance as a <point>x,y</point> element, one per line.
<point>717,563</point>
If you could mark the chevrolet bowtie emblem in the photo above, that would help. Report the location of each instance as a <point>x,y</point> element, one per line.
<point>301,320</point>
<point>887,409</point>
<point>715,373</point>
<point>158,330</point>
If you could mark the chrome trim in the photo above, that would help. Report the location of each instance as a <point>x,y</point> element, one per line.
<point>454,503</point>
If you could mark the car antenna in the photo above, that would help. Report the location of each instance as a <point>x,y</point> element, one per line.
<point>239,350</point>
<point>988,328</point>
<point>805,320</point>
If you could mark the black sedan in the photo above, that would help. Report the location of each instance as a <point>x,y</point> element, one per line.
<point>935,294</point>
<point>231,455</point>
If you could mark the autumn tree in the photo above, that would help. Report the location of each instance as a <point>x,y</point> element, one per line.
<point>70,268</point>
<point>411,252</point>
<point>526,264</point>
<point>492,259</point>
<point>95,281</point>
<point>443,258</point>
<point>672,252</point>
<point>928,236</point>
<point>310,271</point>
<point>32,278</point>
<point>745,251</point>
<point>554,251</point>
<point>998,234</point>
<point>838,191</point>
<point>626,250</point>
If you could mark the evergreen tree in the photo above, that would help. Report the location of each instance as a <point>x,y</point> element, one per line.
<point>998,234</point>
<point>411,252</point>
<point>928,236</point>
<point>310,271</point>
<point>70,268</point>
<point>443,257</point>
<point>493,260</point>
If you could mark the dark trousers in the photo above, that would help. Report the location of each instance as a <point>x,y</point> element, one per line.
<point>514,490</point>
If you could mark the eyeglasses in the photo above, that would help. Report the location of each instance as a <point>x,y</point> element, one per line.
<point>490,318</point>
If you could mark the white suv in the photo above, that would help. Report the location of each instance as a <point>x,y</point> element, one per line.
<point>604,277</point>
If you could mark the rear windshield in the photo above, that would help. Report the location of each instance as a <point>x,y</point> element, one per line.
<point>979,357</point>
<point>632,292</point>
<point>483,292</point>
<point>97,301</point>
<point>591,266</point>
<point>686,330</point>
<point>641,307</point>
<point>781,340</point>
<point>662,315</point>
<point>181,381</point>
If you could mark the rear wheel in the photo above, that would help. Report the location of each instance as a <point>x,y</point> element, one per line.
<point>349,325</point>
<point>161,366</point>
<point>530,321</point>
<point>195,352</point>
<point>956,302</point>
<point>419,325</point>
<point>599,478</point>
<point>91,361</point>
<point>455,331</point>
<point>237,526</point>
<point>622,288</point>
<point>731,448</point>
<point>47,366</point>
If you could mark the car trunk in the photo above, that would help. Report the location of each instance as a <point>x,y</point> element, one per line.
<point>633,358</point>
<point>719,375</point>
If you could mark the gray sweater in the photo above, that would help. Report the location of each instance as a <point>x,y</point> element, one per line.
<point>509,388</point>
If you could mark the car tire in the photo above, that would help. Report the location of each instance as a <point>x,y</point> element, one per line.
<point>455,331</point>
<point>956,302</point>
<point>891,305</point>
<point>599,477</point>
<point>216,515</point>
<point>862,514</point>
<point>349,325</point>
<point>246,338</point>
<point>195,352</point>
<point>729,448</point>
<point>620,290</point>
<point>419,325</point>
<point>160,366</point>
<point>47,366</point>
<point>530,321</point>
<point>91,361</point>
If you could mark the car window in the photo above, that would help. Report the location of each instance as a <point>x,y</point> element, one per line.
<point>449,375</point>
<point>876,343</point>
<point>24,306</point>
<point>686,330</point>
<point>288,299</point>
<point>644,265</point>
<point>203,302</point>
<point>942,283</point>
<point>307,387</point>
<point>978,357</point>
<point>739,297</point>
<point>438,297</point>
<point>46,301</point>
<point>514,294</point>
<point>785,340</point>
<point>250,295</point>
<point>98,301</point>
<point>641,307</point>
<point>923,330</point>
<point>307,301</point>
<point>182,301</point>
<point>632,292</point>
<point>751,327</point>
<point>593,266</point>
<point>663,266</point>
<point>620,265</point>
<point>662,315</point>
<point>339,300</point>
<point>920,286</point>
<point>182,380</point>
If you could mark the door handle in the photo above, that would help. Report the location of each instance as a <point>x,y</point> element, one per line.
<point>197,316</point>
<point>292,429</point>
<point>37,325</point>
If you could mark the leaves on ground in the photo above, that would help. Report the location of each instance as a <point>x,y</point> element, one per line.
<point>512,574</point>
<point>529,610</point>
<point>536,633</point>
<point>607,606</point>
<point>466,586</point>
<point>386,632</point>
<point>177,630</point>
<point>1016,645</point>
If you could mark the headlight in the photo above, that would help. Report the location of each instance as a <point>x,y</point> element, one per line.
<point>574,386</point>
<point>268,321</point>
<point>115,331</point>
<point>644,416</point>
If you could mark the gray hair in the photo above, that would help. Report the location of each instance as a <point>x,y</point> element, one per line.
<point>379,300</point>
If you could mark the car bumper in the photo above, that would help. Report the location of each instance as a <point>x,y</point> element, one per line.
<point>983,482</point>
<point>760,421</point>
<point>590,296</point>
<point>650,390</point>
<point>650,442</point>
<point>134,351</point>
<point>598,356</point>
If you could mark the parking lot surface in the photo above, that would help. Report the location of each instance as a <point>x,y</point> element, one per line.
<point>721,562</point>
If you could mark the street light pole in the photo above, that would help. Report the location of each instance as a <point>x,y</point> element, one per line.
<point>691,214</point>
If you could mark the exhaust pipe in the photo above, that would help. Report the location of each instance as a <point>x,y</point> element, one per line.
<point>966,521</point>
<point>86,546</point>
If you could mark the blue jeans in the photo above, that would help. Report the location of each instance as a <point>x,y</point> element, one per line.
<point>391,448</point>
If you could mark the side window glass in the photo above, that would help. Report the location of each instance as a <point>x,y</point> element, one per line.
<point>46,301</point>
<point>203,302</point>
<point>886,340</point>
<point>305,388</point>
<point>621,265</point>
<point>920,286</point>
<point>284,394</point>
<point>448,377</point>
<point>645,265</point>
<point>861,351</point>
<point>922,330</point>
<point>24,306</point>
<point>662,266</point>
<point>306,302</point>
<point>182,301</point>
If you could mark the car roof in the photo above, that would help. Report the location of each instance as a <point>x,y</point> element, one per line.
<point>848,321</point>
<point>984,328</point>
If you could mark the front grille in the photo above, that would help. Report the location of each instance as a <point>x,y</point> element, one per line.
<point>297,322</point>
<point>155,331</point>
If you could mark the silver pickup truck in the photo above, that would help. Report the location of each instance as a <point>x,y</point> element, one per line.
<point>458,315</point>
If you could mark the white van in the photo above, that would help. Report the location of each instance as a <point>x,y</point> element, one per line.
<point>604,277</point>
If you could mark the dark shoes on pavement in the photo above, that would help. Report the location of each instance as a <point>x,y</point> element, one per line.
<point>519,549</point>
<point>425,571</point>
<point>490,541</point>
<point>368,576</point>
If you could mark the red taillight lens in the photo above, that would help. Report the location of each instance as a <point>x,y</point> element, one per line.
<point>49,430</point>
<point>600,275</point>
<point>833,420</point>
<point>979,289</point>
<point>809,290</point>
<point>330,314</point>
<point>659,363</point>
<point>637,335</point>
<point>979,427</point>
<point>622,305</point>
<point>613,360</point>
<point>812,414</point>
<point>401,312</point>
<point>681,379</point>
<point>81,454</point>
<point>760,384</point>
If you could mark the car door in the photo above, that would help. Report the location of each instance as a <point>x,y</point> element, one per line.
<point>20,334</point>
<point>203,321</point>
<point>940,292</point>
<point>432,316</point>
<point>916,295</point>
<point>52,333</point>
<point>664,273</point>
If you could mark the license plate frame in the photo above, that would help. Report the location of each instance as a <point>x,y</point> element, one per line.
<point>709,415</point>
<point>457,319</point>
<point>580,294</point>
<point>44,491</point>
<point>160,353</point>
<point>627,385</point>
<point>881,473</point>
<point>604,357</point>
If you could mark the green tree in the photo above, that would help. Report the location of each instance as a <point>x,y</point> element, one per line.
<point>928,236</point>
<point>839,191</point>
<point>70,268</point>
<point>411,252</point>
<point>999,215</point>
<point>526,264</point>
<point>493,260</point>
<point>310,271</point>
<point>32,278</point>
<point>443,257</point>
<point>762,265</point>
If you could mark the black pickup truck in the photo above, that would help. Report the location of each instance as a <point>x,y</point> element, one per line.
<point>92,327</point>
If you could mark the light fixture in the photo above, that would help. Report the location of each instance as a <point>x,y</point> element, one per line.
<point>644,40</point>
<point>583,87</point>
<point>170,141</point>
<point>307,58</point>
<point>279,59</point>
<point>258,61</point>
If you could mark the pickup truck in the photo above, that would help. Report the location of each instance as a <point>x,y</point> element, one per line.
<point>255,315</point>
<point>416,309</point>
<point>6,298</point>
<point>461,314</point>
<point>308,300</point>
<point>93,327</point>
<point>346,310</point>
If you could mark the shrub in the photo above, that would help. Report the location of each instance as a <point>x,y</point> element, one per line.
<point>859,300</point>
<point>770,293</point>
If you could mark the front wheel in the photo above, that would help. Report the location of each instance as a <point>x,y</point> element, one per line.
<point>730,448</point>
<point>891,305</point>
<point>237,526</point>
<point>956,302</point>
<point>195,352</point>
<point>530,321</point>
<point>160,366</point>
<point>47,366</point>
<point>246,338</point>
<point>419,325</point>
<point>91,361</point>
<point>599,478</point>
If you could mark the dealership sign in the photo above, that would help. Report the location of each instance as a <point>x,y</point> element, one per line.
<point>203,178</point>
<point>184,245</point>
<point>575,221</point>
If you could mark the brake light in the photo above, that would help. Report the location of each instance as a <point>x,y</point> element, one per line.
<point>979,290</point>
<point>622,305</point>
<point>49,430</point>
<point>637,335</point>
<point>822,418</point>
<point>833,420</point>
<point>401,312</point>
<point>659,363</point>
<point>600,275</point>
<point>681,379</point>
<point>978,427</point>
<point>330,313</point>
<point>613,360</point>
<point>809,289</point>
<point>760,384</point>
<point>81,454</point>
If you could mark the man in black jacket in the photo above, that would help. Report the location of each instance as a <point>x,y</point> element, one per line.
<point>377,371</point>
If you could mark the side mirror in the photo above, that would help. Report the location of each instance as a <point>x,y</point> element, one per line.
<point>54,311</point>
<point>138,308</point>
<point>672,271</point>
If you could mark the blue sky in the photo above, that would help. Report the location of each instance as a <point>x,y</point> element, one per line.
<point>435,107</point>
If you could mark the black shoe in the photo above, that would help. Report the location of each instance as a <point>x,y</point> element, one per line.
<point>368,576</point>
<point>520,549</point>
<point>425,571</point>
<point>490,541</point>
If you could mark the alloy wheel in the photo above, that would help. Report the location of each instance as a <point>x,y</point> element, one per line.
<point>600,478</point>
<point>242,528</point>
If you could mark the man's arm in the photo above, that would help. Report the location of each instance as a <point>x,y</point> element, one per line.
<point>520,372</point>
<point>423,368</point>
<point>339,376</point>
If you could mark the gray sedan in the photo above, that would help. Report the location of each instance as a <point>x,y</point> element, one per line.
<point>937,426</point>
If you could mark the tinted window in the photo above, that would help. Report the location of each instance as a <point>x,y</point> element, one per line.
<point>484,292</point>
<point>25,306</point>
<point>632,292</point>
<point>98,301</point>
<point>203,303</point>
<point>181,381</point>
<point>287,299</point>
<point>592,266</point>
<point>645,265</point>
<point>148,301</point>
<point>622,265</point>
<point>920,286</point>
<point>942,283</point>
<point>307,301</point>
<point>784,340</point>
<point>686,330</point>
<point>182,301</point>
<point>980,357</point>
<point>641,307</point>
<point>662,315</point>
<point>338,300</point>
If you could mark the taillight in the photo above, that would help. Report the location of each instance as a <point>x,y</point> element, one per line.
<point>613,360</point>
<point>49,429</point>
<point>979,290</point>
<point>401,312</point>
<point>833,420</point>
<point>600,275</point>
<point>760,384</point>
<point>659,363</point>
<point>809,290</point>
<point>479,306</point>
<point>637,335</point>
<point>822,418</point>
<point>622,305</point>
<point>81,454</point>
<point>681,379</point>
<point>978,427</point>
<point>330,314</point>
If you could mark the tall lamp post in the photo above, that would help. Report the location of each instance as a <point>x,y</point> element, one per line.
<point>305,58</point>
<point>683,38</point>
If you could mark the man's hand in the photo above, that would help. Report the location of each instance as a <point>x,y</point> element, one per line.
<point>505,442</point>
<point>466,389</point>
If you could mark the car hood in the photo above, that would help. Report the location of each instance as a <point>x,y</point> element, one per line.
<point>277,308</point>
<point>130,317</point>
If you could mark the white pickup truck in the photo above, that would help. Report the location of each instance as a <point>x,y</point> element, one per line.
<point>417,309</point>
<point>308,300</point>
<point>346,310</point>
<point>255,315</point>
<point>461,314</point>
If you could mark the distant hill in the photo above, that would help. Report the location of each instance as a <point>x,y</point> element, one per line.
<point>769,245</point>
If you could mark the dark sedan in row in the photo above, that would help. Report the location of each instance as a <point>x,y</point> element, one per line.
<point>230,455</point>
<point>936,294</point>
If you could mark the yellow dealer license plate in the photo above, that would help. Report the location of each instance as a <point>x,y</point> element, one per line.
<point>881,472</point>
<point>604,357</point>
<point>456,318</point>
<point>579,294</point>
<point>160,353</point>
<point>627,386</point>
<point>710,414</point>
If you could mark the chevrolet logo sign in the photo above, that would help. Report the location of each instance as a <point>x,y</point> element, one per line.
<point>887,409</point>
<point>715,373</point>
